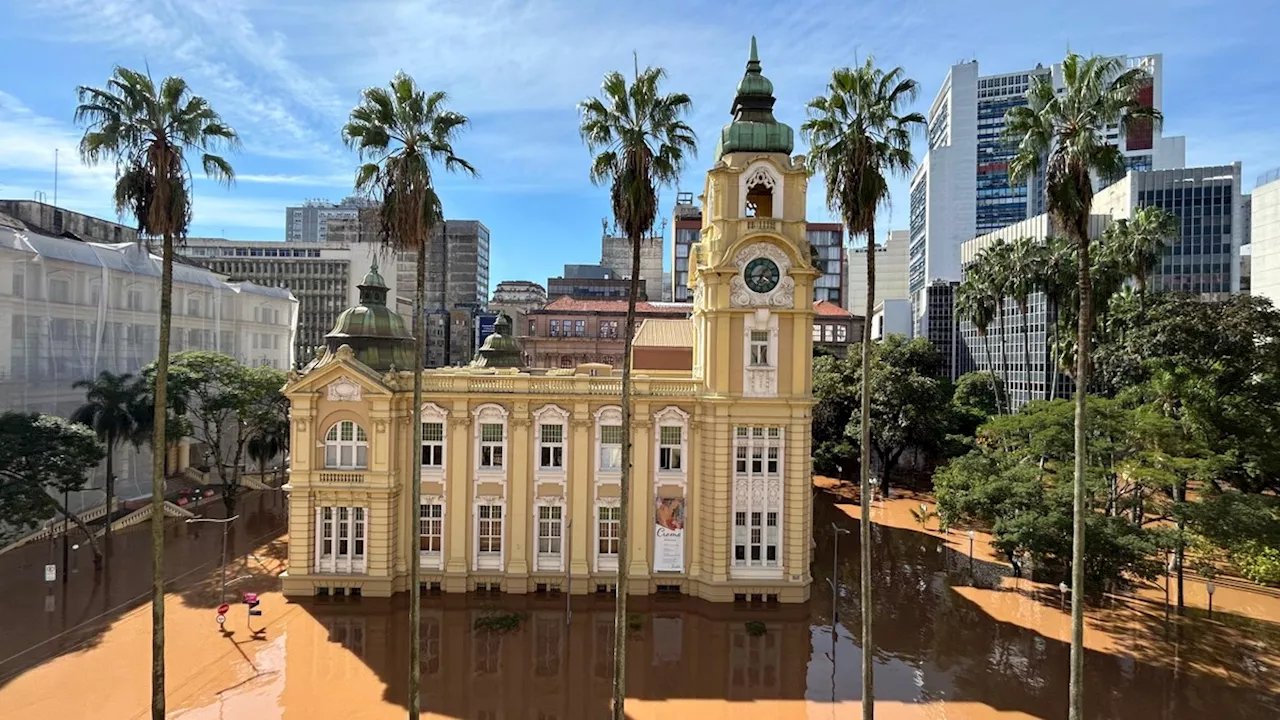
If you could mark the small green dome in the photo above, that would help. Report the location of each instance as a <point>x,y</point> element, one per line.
<point>500,350</point>
<point>379,336</point>
<point>754,128</point>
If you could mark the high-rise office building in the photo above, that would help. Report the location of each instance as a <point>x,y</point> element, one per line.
<point>1265,236</point>
<point>308,222</point>
<point>827,239</point>
<point>615,254</point>
<point>933,318</point>
<point>891,272</point>
<point>961,188</point>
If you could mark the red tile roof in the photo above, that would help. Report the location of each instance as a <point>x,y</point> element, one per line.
<point>826,308</point>
<point>568,304</point>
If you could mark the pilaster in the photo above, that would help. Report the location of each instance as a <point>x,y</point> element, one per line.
<point>519,492</point>
<point>460,493</point>
<point>580,489</point>
<point>641,499</point>
<point>692,495</point>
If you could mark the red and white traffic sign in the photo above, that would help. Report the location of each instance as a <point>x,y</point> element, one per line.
<point>223,609</point>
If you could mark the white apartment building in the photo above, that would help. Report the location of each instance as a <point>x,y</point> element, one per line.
<point>309,221</point>
<point>322,276</point>
<point>961,188</point>
<point>1264,232</point>
<point>72,309</point>
<point>891,272</point>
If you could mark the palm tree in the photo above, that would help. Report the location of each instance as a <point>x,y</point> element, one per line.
<point>399,131</point>
<point>1139,243</point>
<point>148,131</point>
<point>995,263</point>
<point>1057,278</point>
<point>858,135</point>
<point>269,442</point>
<point>1024,260</point>
<point>976,304</point>
<point>110,409</point>
<point>641,142</point>
<point>1064,133</point>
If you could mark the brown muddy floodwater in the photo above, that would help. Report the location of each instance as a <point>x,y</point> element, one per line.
<point>950,644</point>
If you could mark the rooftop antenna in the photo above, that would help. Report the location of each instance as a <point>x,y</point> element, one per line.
<point>55,177</point>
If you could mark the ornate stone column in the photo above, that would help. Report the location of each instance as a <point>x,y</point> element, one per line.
<point>641,500</point>
<point>519,491</point>
<point>460,493</point>
<point>581,489</point>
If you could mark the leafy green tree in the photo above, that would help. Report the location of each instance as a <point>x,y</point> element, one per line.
<point>399,132</point>
<point>42,457</point>
<point>150,134</point>
<point>1062,133</point>
<point>979,391</point>
<point>641,142</point>
<point>111,409</point>
<point>859,134</point>
<point>836,399</point>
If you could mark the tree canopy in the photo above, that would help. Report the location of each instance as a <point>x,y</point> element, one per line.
<point>41,457</point>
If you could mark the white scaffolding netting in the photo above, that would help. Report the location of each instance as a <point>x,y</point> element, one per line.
<point>71,309</point>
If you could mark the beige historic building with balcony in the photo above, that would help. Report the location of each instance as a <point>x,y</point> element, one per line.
<point>521,467</point>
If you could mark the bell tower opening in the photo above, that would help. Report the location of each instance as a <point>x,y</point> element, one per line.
<point>760,199</point>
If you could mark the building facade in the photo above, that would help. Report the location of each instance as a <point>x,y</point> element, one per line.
<point>309,222</point>
<point>521,467</point>
<point>891,272</point>
<point>686,229</point>
<point>322,276</point>
<point>516,299</point>
<point>568,332</point>
<point>1265,236</point>
<point>961,188</point>
<point>933,318</point>
<point>74,309</point>
<point>834,328</point>
<point>826,240</point>
<point>59,222</point>
<point>615,254</point>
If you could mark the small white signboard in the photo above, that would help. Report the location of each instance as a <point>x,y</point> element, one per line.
<point>50,573</point>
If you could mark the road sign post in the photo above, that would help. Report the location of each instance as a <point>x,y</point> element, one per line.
<point>50,572</point>
<point>251,599</point>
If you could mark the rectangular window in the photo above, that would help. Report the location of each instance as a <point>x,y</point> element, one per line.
<point>432,444</point>
<point>669,442</point>
<point>59,290</point>
<point>533,326</point>
<point>829,332</point>
<point>431,528</point>
<point>817,333</point>
<point>579,328</point>
<point>193,307</point>
<point>554,328</point>
<point>610,447</point>
<point>340,540</point>
<point>759,347</point>
<point>491,445</point>
<point>549,536</point>
<point>19,283</point>
<point>757,538</point>
<point>489,535</point>
<point>608,328</point>
<point>607,529</point>
<point>551,439</point>
<point>842,333</point>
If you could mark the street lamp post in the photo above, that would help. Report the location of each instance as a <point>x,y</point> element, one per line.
<point>568,571</point>
<point>222,593</point>
<point>971,536</point>
<point>66,529</point>
<point>835,573</point>
<point>1062,588</point>
<point>1209,586</point>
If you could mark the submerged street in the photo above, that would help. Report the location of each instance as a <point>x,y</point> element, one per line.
<point>950,644</point>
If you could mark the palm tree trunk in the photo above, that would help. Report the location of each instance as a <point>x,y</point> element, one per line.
<point>1180,496</point>
<point>1004,359</point>
<point>111,493</point>
<point>1052,390</point>
<point>1026,352</point>
<point>415,484</point>
<point>158,479</point>
<point>995,379</point>
<point>864,450</point>
<point>624,487</point>
<point>1076,704</point>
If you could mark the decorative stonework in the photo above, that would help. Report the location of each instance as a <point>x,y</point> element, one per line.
<point>344,389</point>
<point>760,172</point>
<point>782,296</point>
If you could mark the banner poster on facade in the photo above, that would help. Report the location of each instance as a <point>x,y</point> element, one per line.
<point>668,535</point>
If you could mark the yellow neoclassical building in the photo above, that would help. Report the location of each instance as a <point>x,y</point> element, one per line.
<point>520,467</point>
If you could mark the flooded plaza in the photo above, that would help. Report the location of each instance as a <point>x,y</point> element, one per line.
<point>951,642</point>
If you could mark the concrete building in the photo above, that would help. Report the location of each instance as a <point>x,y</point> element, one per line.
<point>592,282</point>
<point>834,328</point>
<point>308,222</point>
<point>60,222</point>
<point>686,229</point>
<point>516,299</point>
<point>520,467</point>
<point>891,272</point>
<point>615,254</point>
<point>322,276</point>
<point>933,318</point>
<point>961,188</point>
<point>826,240</point>
<point>891,317</point>
<point>1204,260</point>
<point>1265,236</point>
<point>74,309</point>
<point>569,332</point>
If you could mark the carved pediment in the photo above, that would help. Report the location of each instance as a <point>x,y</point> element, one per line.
<point>344,389</point>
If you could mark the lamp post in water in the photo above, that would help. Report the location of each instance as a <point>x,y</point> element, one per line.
<point>222,593</point>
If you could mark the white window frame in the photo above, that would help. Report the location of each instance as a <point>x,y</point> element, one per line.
<point>491,414</point>
<point>759,340</point>
<point>329,558</point>
<point>432,413</point>
<point>554,525</point>
<point>760,380</point>
<point>337,444</point>
<point>551,415</point>
<point>605,562</point>
<point>431,559</point>
<point>608,415</point>
<point>761,170</point>
<point>758,471</point>
<point>671,416</point>
<point>489,560</point>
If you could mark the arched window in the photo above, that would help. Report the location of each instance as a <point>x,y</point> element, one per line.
<point>346,447</point>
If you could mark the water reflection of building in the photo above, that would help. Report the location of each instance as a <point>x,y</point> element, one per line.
<point>679,650</point>
<point>521,487</point>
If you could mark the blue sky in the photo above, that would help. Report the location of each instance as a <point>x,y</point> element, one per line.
<point>285,73</point>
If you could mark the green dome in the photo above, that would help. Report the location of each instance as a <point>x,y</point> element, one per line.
<point>754,128</point>
<point>499,350</point>
<point>378,335</point>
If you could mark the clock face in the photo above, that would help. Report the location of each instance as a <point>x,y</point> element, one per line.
<point>761,275</point>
